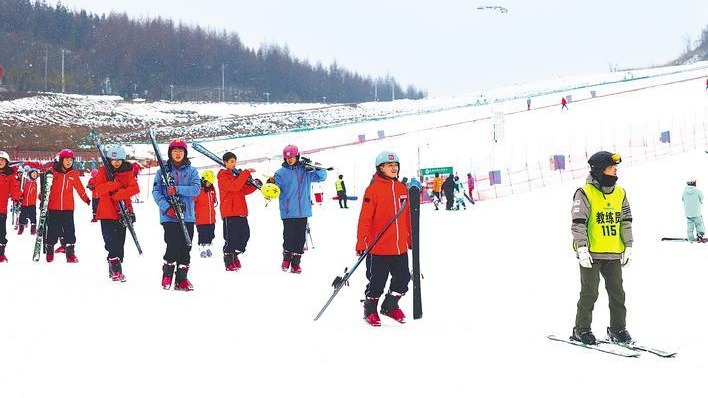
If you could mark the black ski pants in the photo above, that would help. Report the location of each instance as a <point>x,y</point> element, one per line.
<point>114,238</point>
<point>342,199</point>
<point>294,230</point>
<point>236,234</point>
<point>28,212</point>
<point>611,271</point>
<point>3,229</point>
<point>205,233</point>
<point>379,267</point>
<point>177,250</point>
<point>60,223</point>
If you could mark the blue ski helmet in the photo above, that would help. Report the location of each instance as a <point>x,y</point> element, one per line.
<point>115,152</point>
<point>386,157</point>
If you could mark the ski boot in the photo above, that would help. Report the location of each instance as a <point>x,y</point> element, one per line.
<point>202,251</point>
<point>287,258</point>
<point>115,269</point>
<point>70,254</point>
<point>62,246</point>
<point>390,308</point>
<point>3,257</point>
<point>33,229</point>
<point>619,336</point>
<point>296,263</point>
<point>231,262</point>
<point>585,337</point>
<point>168,270</point>
<point>370,315</point>
<point>181,281</point>
<point>49,249</point>
<point>21,229</point>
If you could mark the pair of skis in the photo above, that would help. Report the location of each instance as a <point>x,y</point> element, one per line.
<point>413,203</point>
<point>46,185</point>
<point>308,163</point>
<point>620,349</point>
<point>126,218</point>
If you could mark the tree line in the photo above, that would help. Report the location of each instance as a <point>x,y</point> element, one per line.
<point>49,48</point>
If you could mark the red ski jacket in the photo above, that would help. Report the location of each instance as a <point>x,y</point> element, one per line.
<point>9,188</point>
<point>204,205</point>
<point>29,195</point>
<point>123,187</point>
<point>61,197</point>
<point>232,193</point>
<point>382,199</point>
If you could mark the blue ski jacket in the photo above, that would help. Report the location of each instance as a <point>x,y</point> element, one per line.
<point>188,187</point>
<point>294,183</point>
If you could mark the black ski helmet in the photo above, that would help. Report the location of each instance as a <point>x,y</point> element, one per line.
<point>600,160</point>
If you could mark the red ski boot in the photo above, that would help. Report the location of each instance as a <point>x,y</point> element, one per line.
<point>181,281</point>
<point>70,255</point>
<point>370,315</point>
<point>287,258</point>
<point>3,258</point>
<point>116,269</point>
<point>168,270</point>
<point>390,308</point>
<point>296,263</point>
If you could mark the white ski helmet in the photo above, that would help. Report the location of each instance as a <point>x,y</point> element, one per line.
<point>386,157</point>
<point>5,156</point>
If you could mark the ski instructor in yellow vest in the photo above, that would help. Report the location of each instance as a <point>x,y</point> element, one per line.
<point>602,237</point>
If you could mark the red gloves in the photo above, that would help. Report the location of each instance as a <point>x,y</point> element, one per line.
<point>171,212</point>
<point>87,201</point>
<point>172,190</point>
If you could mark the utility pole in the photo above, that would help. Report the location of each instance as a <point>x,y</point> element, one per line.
<point>267,94</point>
<point>62,70</point>
<point>393,96</point>
<point>222,81</point>
<point>376,90</point>
<point>46,57</point>
<point>172,92</point>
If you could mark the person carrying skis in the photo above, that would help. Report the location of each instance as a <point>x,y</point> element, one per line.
<point>186,187</point>
<point>233,188</point>
<point>204,205</point>
<point>382,200</point>
<point>28,211</point>
<point>60,208</point>
<point>341,192</point>
<point>602,236</point>
<point>692,201</point>
<point>109,193</point>
<point>294,180</point>
<point>9,189</point>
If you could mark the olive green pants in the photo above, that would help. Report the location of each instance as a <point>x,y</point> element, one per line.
<point>611,271</point>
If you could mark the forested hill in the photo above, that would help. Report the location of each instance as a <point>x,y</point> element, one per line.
<point>160,59</point>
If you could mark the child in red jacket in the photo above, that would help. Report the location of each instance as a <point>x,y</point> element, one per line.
<point>60,209</point>
<point>382,200</point>
<point>110,192</point>
<point>234,210</point>
<point>204,206</point>
<point>9,189</point>
<point>94,197</point>
<point>28,211</point>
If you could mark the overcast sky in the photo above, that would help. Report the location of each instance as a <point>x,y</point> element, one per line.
<point>448,47</point>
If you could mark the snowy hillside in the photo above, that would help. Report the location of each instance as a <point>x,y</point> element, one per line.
<point>498,276</point>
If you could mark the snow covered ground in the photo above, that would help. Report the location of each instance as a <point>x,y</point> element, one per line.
<point>498,277</point>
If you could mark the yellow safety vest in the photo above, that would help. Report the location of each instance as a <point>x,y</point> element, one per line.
<point>604,234</point>
<point>338,185</point>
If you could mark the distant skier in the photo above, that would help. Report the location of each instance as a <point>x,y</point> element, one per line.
<point>470,186</point>
<point>186,188</point>
<point>294,180</point>
<point>692,200</point>
<point>602,235</point>
<point>528,103</point>
<point>91,185</point>
<point>121,188</point>
<point>341,192</point>
<point>437,189</point>
<point>9,190</point>
<point>382,199</point>
<point>564,104</point>
<point>28,211</point>
<point>448,188</point>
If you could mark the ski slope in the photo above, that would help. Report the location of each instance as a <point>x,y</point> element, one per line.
<point>498,277</point>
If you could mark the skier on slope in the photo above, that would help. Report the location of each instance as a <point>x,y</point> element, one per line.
<point>692,200</point>
<point>109,193</point>
<point>459,194</point>
<point>602,235</point>
<point>9,189</point>
<point>294,180</point>
<point>60,208</point>
<point>234,210</point>
<point>382,199</point>
<point>186,187</point>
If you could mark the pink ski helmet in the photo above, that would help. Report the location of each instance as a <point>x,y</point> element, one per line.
<point>65,153</point>
<point>178,143</point>
<point>290,151</point>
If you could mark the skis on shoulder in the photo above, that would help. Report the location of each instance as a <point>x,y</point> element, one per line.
<point>608,348</point>
<point>642,348</point>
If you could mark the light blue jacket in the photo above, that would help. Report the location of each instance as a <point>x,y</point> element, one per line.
<point>188,187</point>
<point>692,201</point>
<point>294,183</point>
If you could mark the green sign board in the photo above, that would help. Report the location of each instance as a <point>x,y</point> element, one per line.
<point>428,174</point>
